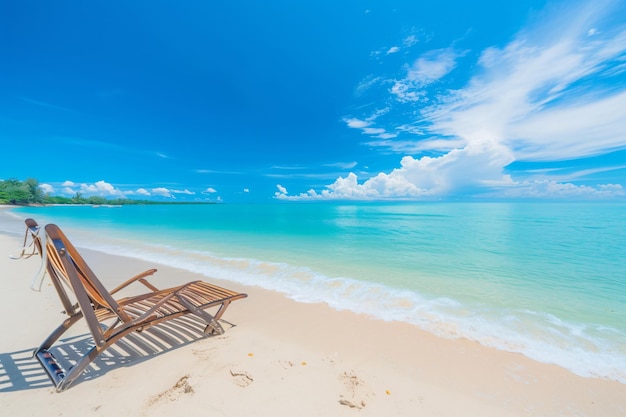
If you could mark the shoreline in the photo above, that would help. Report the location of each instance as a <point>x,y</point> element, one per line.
<point>504,319</point>
<point>283,357</point>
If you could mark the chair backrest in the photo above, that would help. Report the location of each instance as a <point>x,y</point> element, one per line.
<point>32,236</point>
<point>40,247</point>
<point>66,264</point>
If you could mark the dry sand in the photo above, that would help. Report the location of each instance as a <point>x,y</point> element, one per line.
<point>277,357</point>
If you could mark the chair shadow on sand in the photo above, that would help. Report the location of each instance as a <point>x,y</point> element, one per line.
<point>21,371</point>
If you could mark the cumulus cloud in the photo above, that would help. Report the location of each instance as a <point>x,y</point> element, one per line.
<point>210,190</point>
<point>356,123</point>
<point>162,191</point>
<point>399,184</point>
<point>393,50</point>
<point>425,177</point>
<point>46,188</point>
<point>100,188</point>
<point>159,191</point>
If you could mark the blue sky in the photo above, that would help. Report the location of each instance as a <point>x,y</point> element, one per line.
<point>310,100</point>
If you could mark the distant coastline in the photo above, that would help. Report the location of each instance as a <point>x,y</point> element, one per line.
<point>28,193</point>
<point>112,203</point>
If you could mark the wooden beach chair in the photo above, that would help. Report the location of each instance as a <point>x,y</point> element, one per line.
<point>108,319</point>
<point>29,249</point>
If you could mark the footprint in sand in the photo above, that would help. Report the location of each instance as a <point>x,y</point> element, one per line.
<point>357,393</point>
<point>204,354</point>
<point>180,388</point>
<point>241,378</point>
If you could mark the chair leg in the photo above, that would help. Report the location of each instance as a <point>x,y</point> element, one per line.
<point>49,363</point>
<point>58,332</point>
<point>78,368</point>
<point>213,326</point>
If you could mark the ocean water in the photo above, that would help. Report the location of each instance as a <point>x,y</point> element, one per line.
<point>545,280</point>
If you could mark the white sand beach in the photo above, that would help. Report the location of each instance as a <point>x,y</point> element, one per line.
<point>278,357</point>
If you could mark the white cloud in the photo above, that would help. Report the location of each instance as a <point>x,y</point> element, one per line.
<point>577,130</point>
<point>411,147</point>
<point>479,165</point>
<point>356,123</point>
<point>46,188</point>
<point>425,70</point>
<point>535,99</point>
<point>525,99</point>
<point>143,191</point>
<point>210,190</point>
<point>552,189</point>
<point>387,135</point>
<point>281,189</point>
<point>100,188</point>
<point>565,174</point>
<point>246,190</point>
<point>406,92</point>
<point>162,191</point>
<point>366,125</point>
<point>366,84</point>
<point>409,41</point>
<point>432,66</point>
<point>540,94</point>
<point>393,50</point>
<point>373,130</point>
<point>343,165</point>
<point>185,191</point>
<point>428,184</point>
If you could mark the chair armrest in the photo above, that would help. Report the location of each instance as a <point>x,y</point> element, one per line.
<point>139,277</point>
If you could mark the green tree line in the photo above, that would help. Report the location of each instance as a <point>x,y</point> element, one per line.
<point>14,191</point>
<point>28,192</point>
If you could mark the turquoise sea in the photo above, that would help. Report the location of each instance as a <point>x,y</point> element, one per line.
<point>546,280</point>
